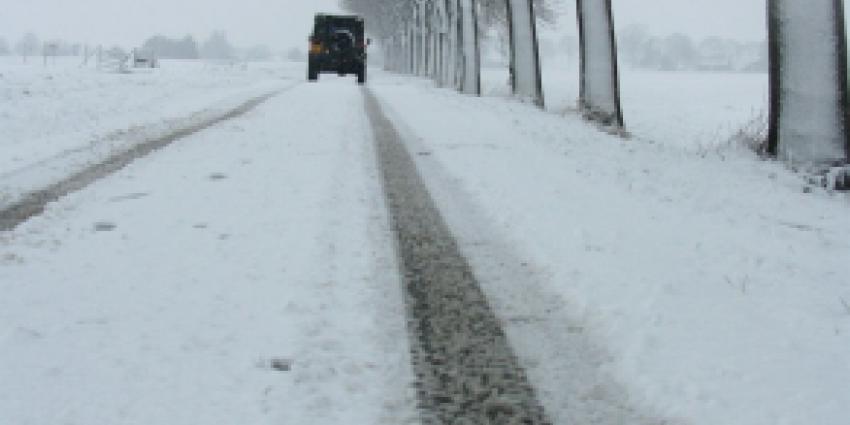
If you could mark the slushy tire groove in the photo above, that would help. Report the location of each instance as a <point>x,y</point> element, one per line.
<point>465,370</point>
<point>33,203</point>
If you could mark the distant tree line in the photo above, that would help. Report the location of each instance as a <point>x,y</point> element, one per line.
<point>172,48</point>
<point>31,45</point>
<point>638,48</point>
<point>215,47</point>
<point>680,52</point>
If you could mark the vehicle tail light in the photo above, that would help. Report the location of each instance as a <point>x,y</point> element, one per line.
<point>315,48</point>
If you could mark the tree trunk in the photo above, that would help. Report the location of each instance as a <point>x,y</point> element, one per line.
<point>808,82</point>
<point>458,45</point>
<point>423,40</point>
<point>599,97</point>
<point>400,53</point>
<point>434,50</point>
<point>526,77</point>
<point>411,48</point>
<point>451,44</point>
<point>471,51</point>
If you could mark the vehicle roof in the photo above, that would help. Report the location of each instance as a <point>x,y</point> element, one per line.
<point>330,15</point>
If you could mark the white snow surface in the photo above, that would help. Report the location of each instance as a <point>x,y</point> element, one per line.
<point>709,285</point>
<point>703,283</point>
<point>262,240</point>
<point>64,116</point>
<point>697,111</point>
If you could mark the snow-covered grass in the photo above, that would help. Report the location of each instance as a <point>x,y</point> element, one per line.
<point>713,287</point>
<point>692,110</point>
<point>58,118</point>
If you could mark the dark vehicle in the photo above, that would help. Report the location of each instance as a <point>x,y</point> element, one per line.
<point>337,45</point>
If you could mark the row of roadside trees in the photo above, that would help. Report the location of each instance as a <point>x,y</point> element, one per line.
<point>441,39</point>
<point>807,55</point>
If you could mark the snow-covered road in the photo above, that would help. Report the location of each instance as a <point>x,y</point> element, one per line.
<point>162,294</point>
<point>634,279</point>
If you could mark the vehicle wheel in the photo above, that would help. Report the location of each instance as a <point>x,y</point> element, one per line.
<point>361,76</point>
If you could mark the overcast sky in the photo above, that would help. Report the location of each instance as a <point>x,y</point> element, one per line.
<point>286,23</point>
<point>278,23</point>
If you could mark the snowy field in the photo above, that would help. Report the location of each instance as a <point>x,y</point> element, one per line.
<point>698,111</point>
<point>711,285</point>
<point>64,116</point>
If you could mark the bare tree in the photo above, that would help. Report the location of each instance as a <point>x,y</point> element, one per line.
<point>440,38</point>
<point>27,46</point>
<point>169,48</point>
<point>494,12</point>
<point>218,47</point>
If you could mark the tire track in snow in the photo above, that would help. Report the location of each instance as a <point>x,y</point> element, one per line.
<point>33,203</point>
<point>465,369</point>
